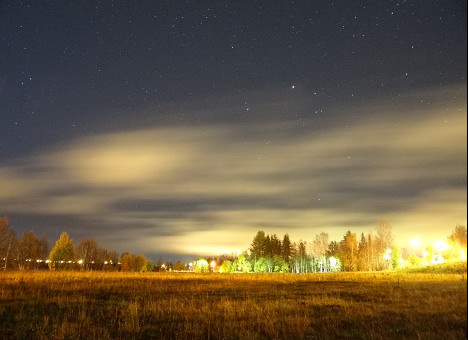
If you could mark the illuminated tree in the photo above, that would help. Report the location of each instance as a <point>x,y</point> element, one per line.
<point>202,266</point>
<point>319,252</point>
<point>7,242</point>
<point>428,255</point>
<point>299,258</point>
<point>126,262</point>
<point>348,252</point>
<point>371,253</point>
<point>280,265</point>
<point>384,234</point>
<point>226,266</point>
<point>382,242</point>
<point>62,253</point>
<point>142,264</point>
<point>415,260</point>
<point>395,257</point>
<point>132,263</point>
<point>261,265</point>
<point>241,264</point>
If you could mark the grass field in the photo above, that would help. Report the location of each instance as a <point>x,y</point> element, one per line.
<point>76,305</point>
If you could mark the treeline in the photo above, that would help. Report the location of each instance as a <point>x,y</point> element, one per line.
<point>267,254</point>
<point>270,254</point>
<point>29,252</point>
<point>372,252</point>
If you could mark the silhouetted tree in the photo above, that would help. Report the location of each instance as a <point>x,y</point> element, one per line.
<point>286,248</point>
<point>31,251</point>
<point>275,245</point>
<point>459,236</point>
<point>258,245</point>
<point>363,254</point>
<point>7,242</point>
<point>88,252</point>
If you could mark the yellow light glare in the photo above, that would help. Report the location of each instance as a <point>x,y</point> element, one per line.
<point>203,262</point>
<point>415,242</point>
<point>441,245</point>
<point>463,254</point>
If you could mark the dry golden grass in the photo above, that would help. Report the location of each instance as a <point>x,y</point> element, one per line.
<point>76,305</point>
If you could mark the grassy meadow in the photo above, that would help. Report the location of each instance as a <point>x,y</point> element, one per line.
<point>99,305</point>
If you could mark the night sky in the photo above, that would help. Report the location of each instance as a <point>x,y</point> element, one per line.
<point>183,127</point>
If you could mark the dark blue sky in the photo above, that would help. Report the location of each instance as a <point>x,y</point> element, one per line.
<point>151,113</point>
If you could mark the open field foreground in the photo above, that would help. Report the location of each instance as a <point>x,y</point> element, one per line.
<point>76,305</point>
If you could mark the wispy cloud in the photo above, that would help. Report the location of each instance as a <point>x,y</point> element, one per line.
<point>162,188</point>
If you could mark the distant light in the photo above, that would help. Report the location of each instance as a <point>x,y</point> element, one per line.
<point>441,245</point>
<point>105,262</point>
<point>388,251</point>
<point>333,261</point>
<point>415,242</point>
<point>80,262</point>
<point>387,257</point>
<point>213,264</point>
